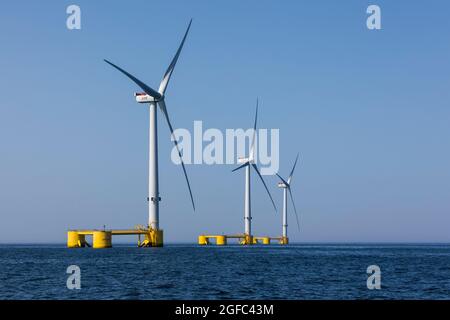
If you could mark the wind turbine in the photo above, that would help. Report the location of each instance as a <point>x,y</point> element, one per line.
<point>154,98</point>
<point>247,163</point>
<point>286,186</point>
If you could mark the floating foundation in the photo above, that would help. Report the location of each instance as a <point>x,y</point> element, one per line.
<point>284,240</point>
<point>103,238</point>
<point>243,239</point>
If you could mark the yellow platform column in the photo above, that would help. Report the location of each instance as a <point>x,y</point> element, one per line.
<point>75,240</point>
<point>266,240</point>
<point>248,240</point>
<point>202,240</point>
<point>284,240</point>
<point>157,238</point>
<point>221,240</point>
<point>101,239</point>
<point>154,238</point>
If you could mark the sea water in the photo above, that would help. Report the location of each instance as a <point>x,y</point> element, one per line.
<point>302,271</point>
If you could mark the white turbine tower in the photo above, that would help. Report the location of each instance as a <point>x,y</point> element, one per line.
<point>154,98</point>
<point>247,163</point>
<point>286,186</point>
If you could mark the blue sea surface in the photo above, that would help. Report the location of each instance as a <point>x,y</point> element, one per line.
<point>230,272</point>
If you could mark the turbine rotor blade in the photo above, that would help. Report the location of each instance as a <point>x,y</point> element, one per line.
<point>240,167</point>
<point>169,71</point>
<point>292,171</point>
<point>163,108</point>
<point>256,113</point>
<point>252,147</point>
<point>265,186</point>
<point>293,205</point>
<point>143,86</point>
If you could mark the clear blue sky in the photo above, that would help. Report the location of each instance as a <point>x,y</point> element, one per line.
<point>367,110</point>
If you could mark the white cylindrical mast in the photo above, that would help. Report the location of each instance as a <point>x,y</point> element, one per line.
<point>285,224</point>
<point>247,208</point>
<point>153,189</point>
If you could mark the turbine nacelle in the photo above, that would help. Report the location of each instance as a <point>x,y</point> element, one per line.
<point>282,185</point>
<point>142,97</point>
<point>243,160</point>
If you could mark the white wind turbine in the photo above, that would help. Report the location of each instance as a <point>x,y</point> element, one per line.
<point>153,98</point>
<point>247,163</point>
<point>286,186</point>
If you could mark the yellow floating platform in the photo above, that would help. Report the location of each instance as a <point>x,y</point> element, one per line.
<point>244,239</point>
<point>103,238</point>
